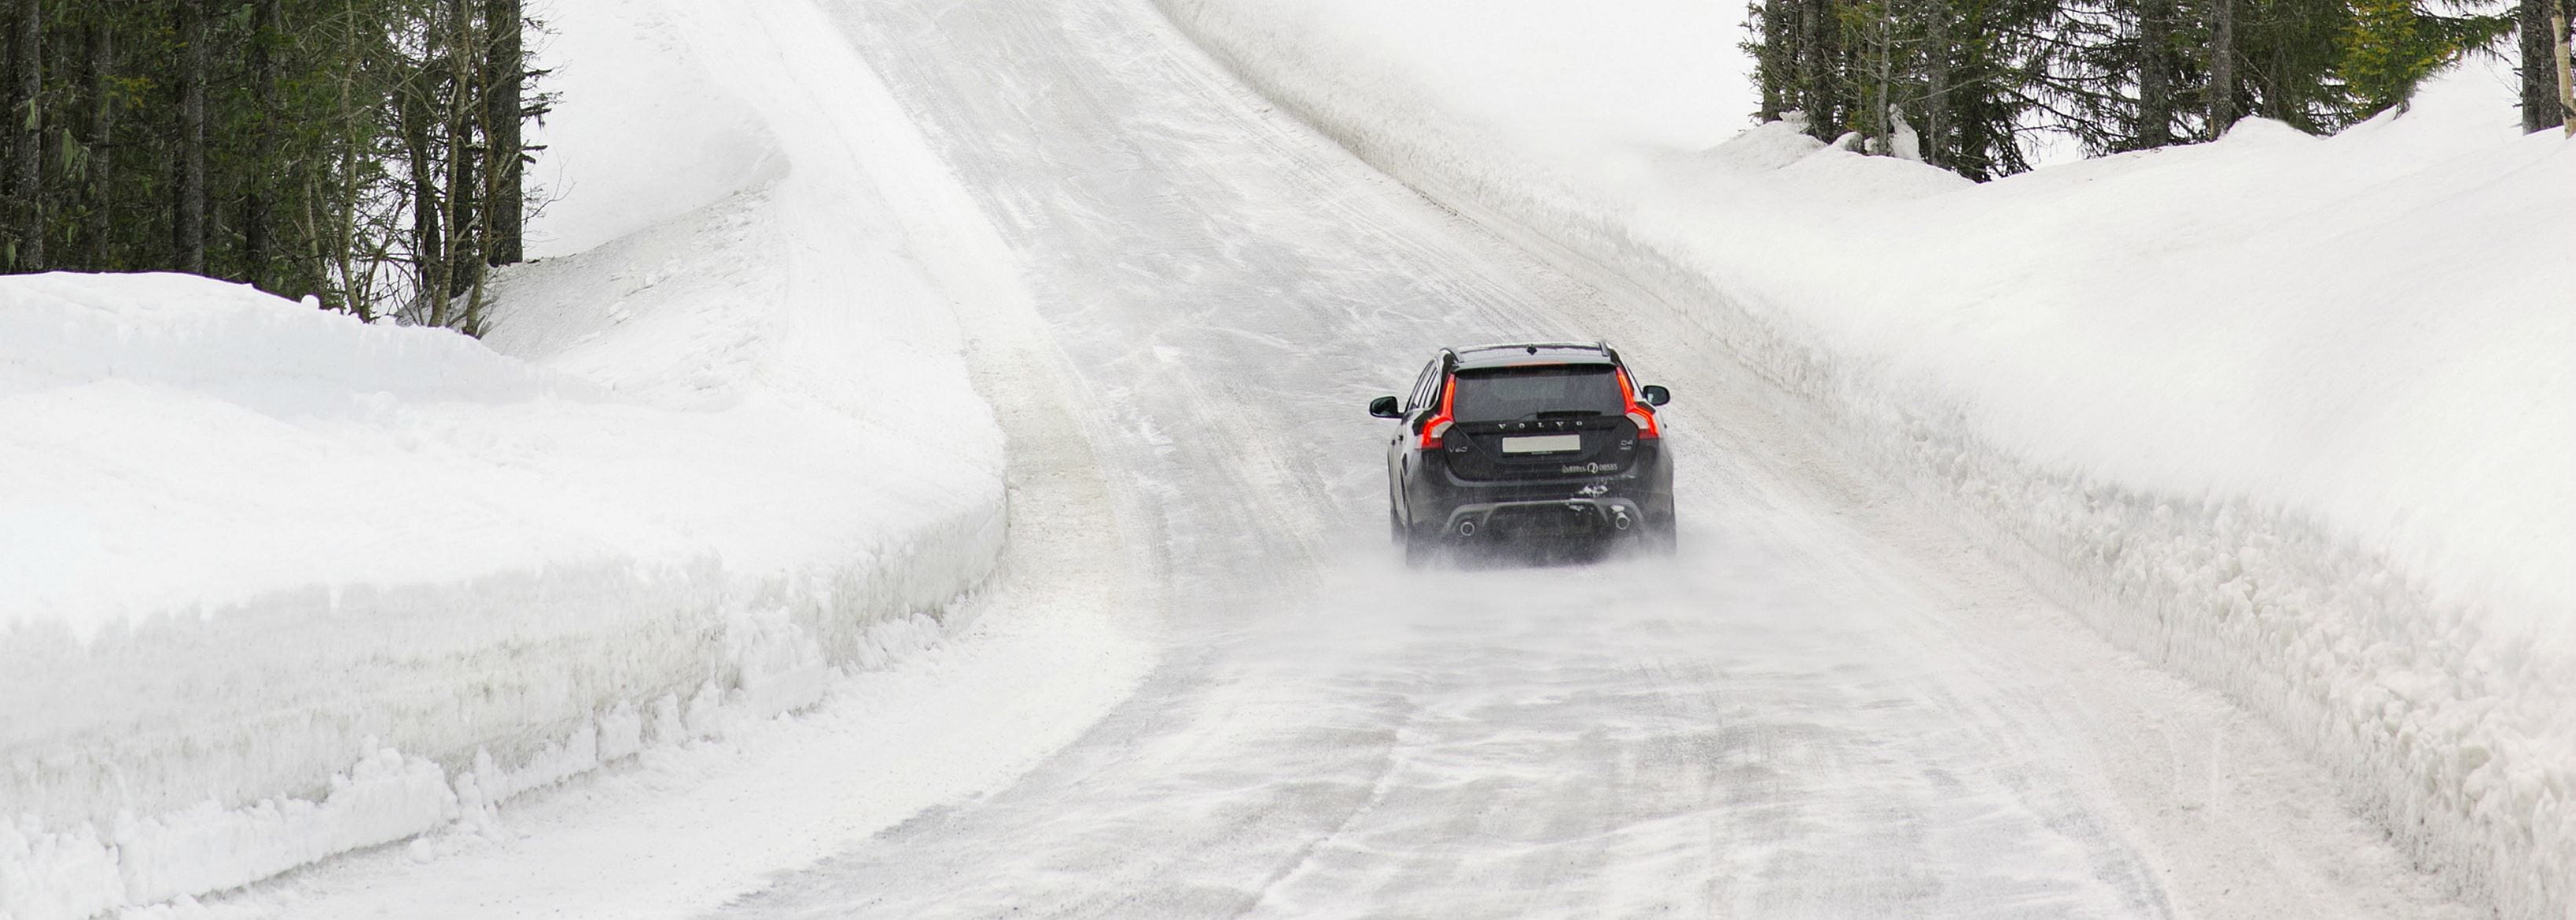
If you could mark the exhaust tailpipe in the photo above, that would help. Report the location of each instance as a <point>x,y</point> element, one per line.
<point>1619,520</point>
<point>1466,528</point>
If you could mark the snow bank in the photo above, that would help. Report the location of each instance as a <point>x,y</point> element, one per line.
<point>2287,414</point>
<point>276,584</point>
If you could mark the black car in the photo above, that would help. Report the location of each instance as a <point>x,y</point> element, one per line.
<point>1543,441</point>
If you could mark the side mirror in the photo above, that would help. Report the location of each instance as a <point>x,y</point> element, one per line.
<point>1655,396</point>
<point>1385,407</point>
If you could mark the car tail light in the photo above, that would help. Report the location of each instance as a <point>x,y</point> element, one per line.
<point>1438,425</point>
<point>1639,413</point>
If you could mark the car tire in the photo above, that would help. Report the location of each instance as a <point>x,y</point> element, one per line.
<point>1421,550</point>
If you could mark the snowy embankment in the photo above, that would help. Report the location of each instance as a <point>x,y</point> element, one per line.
<point>2289,415</point>
<point>275,584</point>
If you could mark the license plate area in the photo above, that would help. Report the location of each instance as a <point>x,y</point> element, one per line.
<point>1543,444</point>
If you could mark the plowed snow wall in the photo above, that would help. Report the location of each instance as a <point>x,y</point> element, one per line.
<point>424,706</point>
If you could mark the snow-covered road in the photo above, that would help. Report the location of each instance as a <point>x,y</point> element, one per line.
<point>1800,717</point>
<point>1827,706</point>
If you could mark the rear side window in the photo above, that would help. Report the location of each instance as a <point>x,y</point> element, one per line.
<point>1510,394</point>
<point>1422,384</point>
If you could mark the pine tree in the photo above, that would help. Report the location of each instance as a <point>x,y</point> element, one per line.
<point>98,155</point>
<point>258,206</point>
<point>2222,91</point>
<point>26,250</point>
<point>2158,65</point>
<point>506,103</point>
<point>1937,85</point>
<point>2539,66</point>
<point>188,230</point>
<point>2392,45</point>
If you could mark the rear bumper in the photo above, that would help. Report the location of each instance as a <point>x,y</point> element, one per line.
<point>1456,508</point>
<point>1571,517</point>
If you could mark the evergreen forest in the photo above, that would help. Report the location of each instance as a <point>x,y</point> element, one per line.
<point>1976,85</point>
<point>367,154</point>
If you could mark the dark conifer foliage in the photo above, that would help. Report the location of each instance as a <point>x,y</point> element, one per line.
<point>1977,85</point>
<point>1962,78</point>
<point>367,153</point>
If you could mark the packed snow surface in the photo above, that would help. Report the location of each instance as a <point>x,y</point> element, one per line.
<point>1828,707</point>
<point>250,446</point>
<point>2289,414</point>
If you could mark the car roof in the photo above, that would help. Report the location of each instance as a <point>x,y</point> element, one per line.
<point>1527,353</point>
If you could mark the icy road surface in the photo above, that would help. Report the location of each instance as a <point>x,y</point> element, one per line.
<point>1825,707</point>
<point>1795,719</point>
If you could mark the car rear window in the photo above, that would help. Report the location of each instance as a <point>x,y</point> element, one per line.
<point>1508,394</point>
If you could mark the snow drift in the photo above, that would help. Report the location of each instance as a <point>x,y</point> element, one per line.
<point>276,584</point>
<point>2286,414</point>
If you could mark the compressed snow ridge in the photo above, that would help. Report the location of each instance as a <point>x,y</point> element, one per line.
<point>277,585</point>
<point>2279,412</point>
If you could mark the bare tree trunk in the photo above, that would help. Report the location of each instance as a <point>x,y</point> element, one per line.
<point>2269,87</point>
<point>429,250</point>
<point>464,216</point>
<point>1882,130</point>
<point>353,129</point>
<point>27,136</point>
<point>505,102</point>
<point>2566,81</point>
<point>2155,75</point>
<point>463,53</point>
<point>1936,101</point>
<point>475,294</point>
<point>2539,72</point>
<point>2222,68</point>
<point>102,147</point>
<point>188,230</point>
<point>265,31</point>
<point>1815,20</point>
